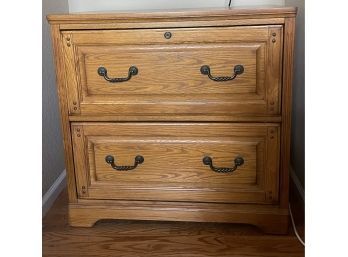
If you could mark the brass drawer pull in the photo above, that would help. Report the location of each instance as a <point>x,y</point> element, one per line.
<point>111,160</point>
<point>238,161</point>
<point>238,69</point>
<point>102,71</point>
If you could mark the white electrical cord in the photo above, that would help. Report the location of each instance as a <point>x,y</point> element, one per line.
<point>294,227</point>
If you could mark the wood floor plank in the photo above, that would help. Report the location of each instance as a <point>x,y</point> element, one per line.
<point>159,239</point>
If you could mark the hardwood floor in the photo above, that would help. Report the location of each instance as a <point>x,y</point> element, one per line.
<point>120,238</point>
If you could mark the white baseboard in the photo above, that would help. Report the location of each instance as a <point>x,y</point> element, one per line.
<point>53,192</point>
<point>297,183</point>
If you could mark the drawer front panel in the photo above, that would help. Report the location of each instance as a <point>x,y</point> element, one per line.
<point>169,78</point>
<point>173,71</point>
<point>173,167</point>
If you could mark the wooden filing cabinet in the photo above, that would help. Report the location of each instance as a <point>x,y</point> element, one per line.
<point>179,115</point>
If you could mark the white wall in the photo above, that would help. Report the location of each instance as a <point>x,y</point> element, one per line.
<point>298,97</point>
<point>52,147</point>
<point>109,5</point>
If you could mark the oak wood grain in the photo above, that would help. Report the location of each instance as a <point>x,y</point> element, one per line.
<point>173,167</point>
<point>64,110</point>
<point>127,238</point>
<point>153,24</point>
<point>261,12</point>
<point>270,219</point>
<point>80,153</point>
<point>175,114</point>
<point>169,78</point>
<point>173,70</point>
<point>178,118</point>
<point>240,34</point>
<point>72,83</point>
<point>289,41</point>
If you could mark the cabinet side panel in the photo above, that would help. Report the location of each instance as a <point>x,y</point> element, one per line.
<point>289,34</point>
<point>60,78</point>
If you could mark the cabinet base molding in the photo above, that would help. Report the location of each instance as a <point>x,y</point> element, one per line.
<point>270,219</point>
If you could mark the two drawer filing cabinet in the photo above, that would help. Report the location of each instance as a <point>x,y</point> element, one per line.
<point>178,115</point>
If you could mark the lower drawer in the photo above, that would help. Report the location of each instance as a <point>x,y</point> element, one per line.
<point>194,162</point>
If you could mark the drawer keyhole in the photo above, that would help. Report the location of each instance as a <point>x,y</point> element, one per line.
<point>168,35</point>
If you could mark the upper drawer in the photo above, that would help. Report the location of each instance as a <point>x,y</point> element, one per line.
<point>231,71</point>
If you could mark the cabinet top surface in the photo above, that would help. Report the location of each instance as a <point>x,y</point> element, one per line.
<point>211,13</point>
